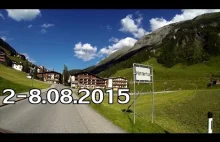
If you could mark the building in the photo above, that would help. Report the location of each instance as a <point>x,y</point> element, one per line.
<point>41,69</point>
<point>86,80</point>
<point>50,76</point>
<point>116,82</point>
<point>2,56</point>
<point>17,66</point>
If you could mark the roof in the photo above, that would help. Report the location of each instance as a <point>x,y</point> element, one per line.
<point>87,73</point>
<point>49,72</point>
<point>117,77</point>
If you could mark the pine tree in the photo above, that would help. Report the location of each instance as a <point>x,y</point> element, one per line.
<point>35,73</point>
<point>25,66</point>
<point>65,75</point>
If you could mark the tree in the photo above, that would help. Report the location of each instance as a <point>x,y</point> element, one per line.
<point>8,62</point>
<point>61,79</point>
<point>65,75</point>
<point>25,66</point>
<point>35,72</point>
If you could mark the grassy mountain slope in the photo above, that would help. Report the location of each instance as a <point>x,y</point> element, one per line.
<point>71,72</point>
<point>178,77</point>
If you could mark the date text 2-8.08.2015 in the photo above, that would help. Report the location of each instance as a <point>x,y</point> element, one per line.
<point>53,96</point>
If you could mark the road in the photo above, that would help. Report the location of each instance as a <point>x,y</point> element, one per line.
<point>24,117</point>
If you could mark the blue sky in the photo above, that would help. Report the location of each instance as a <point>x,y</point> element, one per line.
<point>81,38</point>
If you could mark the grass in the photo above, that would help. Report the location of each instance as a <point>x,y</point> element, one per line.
<point>17,80</point>
<point>177,112</point>
<point>179,77</point>
<point>5,84</point>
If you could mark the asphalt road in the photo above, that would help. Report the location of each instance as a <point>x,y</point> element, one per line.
<point>24,117</point>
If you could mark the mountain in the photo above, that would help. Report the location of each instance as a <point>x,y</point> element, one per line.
<point>188,42</point>
<point>13,55</point>
<point>7,47</point>
<point>73,71</point>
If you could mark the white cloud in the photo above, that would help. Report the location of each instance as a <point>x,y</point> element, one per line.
<point>47,25</point>
<point>4,38</point>
<point>85,51</point>
<point>130,25</point>
<point>28,58</point>
<point>23,14</point>
<point>126,42</point>
<point>186,15</point>
<point>140,19</point>
<point>30,26</point>
<point>43,31</point>
<point>113,39</point>
<point>2,16</point>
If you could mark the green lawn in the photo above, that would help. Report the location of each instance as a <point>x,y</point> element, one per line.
<point>178,112</point>
<point>17,80</point>
<point>5,84</point>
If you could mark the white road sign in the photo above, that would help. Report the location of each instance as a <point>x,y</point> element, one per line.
<point>143,74</point>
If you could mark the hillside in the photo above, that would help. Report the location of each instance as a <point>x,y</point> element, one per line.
<point>13,55</point>
<point>178,77</point>
<point>17,80</point>
<point>73,71</point>
<point>10,50</point>
<point>187,42</point>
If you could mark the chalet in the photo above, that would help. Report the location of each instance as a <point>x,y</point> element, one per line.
<point>116,82</point>
<point>41,69</point>
<point>86,80</point>
<point>17,66</point>
<point>2,56</point>
<point>50,76</point>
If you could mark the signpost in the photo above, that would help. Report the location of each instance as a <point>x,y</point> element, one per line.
<point>143,74</point>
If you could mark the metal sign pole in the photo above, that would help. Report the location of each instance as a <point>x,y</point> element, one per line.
<point>134,90</point>
<point>141,73</point>
<point>152,95</point>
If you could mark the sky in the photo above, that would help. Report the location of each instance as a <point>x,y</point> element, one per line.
<point>81,38</point>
